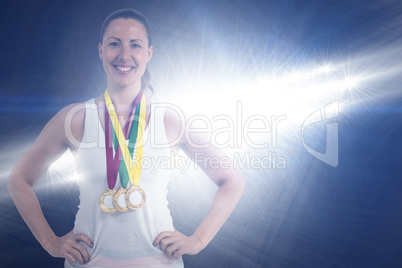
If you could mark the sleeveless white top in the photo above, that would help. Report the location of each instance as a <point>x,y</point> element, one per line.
<point>123,239</point>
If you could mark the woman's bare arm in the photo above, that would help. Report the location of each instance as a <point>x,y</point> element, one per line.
<point>51,143</point>
<point>223,174</point>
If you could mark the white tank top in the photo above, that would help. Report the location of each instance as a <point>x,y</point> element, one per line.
<point>123,239</point>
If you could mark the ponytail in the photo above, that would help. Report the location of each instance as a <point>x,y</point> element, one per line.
<point>146,81</point>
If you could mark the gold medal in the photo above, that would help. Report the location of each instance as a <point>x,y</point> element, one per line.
<point>132,190</point>
<point>102,199</point>
<point>116,200</point>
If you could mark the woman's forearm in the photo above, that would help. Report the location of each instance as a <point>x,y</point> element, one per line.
<point>28,206</point>
<point>222,206</point>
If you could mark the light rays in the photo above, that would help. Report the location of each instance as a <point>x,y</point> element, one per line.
<point>271,77</point>
<point>60,176</point>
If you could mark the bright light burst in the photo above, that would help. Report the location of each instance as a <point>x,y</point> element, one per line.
<point>350,82</point>
<point>325,69</point>
<point>62,170</point>
<point>65,161</point>
<point>295,93</point>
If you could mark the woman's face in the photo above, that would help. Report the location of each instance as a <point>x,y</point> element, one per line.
<point>125,52</point>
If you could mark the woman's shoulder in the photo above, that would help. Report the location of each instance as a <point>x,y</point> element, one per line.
<point>173,116</point>
<point>74,113</point>
<point>71,120</point>
<point>174,122</point>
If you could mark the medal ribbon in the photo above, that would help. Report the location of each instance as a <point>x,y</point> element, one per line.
<point>127,169</point>
<point>112,164</point>
<point>133,137</point>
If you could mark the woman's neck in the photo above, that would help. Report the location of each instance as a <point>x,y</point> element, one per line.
<point>123,96</point>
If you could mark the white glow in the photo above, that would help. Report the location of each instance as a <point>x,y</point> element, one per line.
<point>75,177</point>
<point>296,76</point>
<point>63,169</point>
<point>66,160</point>
<point>350,82</point>
<point>325,69</point>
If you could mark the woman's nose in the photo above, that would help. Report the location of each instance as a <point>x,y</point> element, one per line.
<point>125,53</point>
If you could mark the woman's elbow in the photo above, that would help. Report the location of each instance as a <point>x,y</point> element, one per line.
<point>11,185</point>
<point>238,184</point>
<point>15,183</point>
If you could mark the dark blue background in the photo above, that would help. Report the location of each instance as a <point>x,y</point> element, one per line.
<point>348,216</point>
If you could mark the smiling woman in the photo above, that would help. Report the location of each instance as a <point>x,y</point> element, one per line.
<point>125,52</point>
<point>123,218</point>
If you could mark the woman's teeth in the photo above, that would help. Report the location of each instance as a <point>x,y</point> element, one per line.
<point>124,69</point>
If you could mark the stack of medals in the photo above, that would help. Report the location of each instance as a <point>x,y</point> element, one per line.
<point>126,169</point>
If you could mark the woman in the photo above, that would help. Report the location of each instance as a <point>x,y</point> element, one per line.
<point>140,233</point>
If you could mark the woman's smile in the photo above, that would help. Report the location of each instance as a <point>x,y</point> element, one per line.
<point>123,69</point>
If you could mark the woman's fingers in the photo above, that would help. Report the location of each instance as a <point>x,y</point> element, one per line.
<point>83,238</point>
<point>165,243</point>
<point>83,253</point>
<point>168,241</point>
<point>161,236</point>
<point>69,257</point>
<point>76,254</point>
<point>171,243</point>
<point>172,249</point>
<point>177,253</point>
<point>175,244</point>
<point>69,247</point>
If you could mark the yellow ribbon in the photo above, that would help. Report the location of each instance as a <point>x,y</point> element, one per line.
<point>134,170</point>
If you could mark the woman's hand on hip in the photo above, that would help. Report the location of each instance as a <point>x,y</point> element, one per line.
<point>68,247</point>
<point>176,244</point>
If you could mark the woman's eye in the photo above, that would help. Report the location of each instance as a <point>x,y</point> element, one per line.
<point>114,44</point>
<point>135,46</point>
